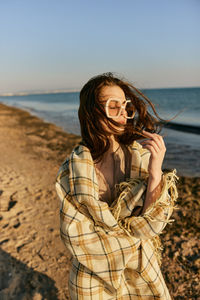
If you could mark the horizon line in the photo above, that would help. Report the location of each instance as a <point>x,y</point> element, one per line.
<point>75,90</point>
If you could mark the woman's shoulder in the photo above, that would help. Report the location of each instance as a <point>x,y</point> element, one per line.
<point>79,152</point>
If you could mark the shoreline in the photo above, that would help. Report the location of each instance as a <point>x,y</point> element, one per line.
<point>33,260</point>
<point>179,154</point>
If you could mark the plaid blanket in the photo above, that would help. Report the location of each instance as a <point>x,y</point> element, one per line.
<point>114,254</point>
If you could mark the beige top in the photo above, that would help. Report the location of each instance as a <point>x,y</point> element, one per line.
<point>112,170</point>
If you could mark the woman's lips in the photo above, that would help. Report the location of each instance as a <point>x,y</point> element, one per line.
<point>123,120</point>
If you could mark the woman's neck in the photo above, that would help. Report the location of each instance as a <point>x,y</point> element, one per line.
<point>107,156</point>
<point>114,145</point>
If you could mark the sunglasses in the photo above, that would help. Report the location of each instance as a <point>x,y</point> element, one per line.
<point>114,106</point>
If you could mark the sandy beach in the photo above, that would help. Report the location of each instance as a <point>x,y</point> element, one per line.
<point>33,260</point>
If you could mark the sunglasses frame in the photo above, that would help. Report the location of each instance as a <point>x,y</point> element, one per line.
<point>122,107</point>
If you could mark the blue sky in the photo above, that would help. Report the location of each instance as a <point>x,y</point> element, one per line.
<point>60,44</point>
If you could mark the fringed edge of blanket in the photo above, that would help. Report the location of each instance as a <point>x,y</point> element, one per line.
<point>123,188</point>
<point>168,184</point>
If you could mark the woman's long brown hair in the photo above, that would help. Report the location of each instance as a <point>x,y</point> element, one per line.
<point>91,114</point>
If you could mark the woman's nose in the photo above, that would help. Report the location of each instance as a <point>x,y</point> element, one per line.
<point>123,111</point>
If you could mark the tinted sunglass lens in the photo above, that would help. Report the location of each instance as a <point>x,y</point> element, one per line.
<point>130,109</point>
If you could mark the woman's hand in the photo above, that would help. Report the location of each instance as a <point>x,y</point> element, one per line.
<point>156,146</point>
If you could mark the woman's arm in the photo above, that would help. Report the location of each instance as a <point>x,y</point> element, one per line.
<point>156,146</point>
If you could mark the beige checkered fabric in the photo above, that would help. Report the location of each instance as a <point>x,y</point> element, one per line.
<point>114,253</point>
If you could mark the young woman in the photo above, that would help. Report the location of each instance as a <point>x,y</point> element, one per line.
<point>115,199</point>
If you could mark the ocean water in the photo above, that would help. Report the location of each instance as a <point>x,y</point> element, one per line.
<point>183,148</point>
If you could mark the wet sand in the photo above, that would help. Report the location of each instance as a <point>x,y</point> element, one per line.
<point>33,260</point>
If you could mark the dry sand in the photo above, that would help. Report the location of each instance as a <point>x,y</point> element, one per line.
<point>33,260</point>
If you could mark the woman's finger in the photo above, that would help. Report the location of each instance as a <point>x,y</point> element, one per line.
<point>151,135</point>
<point>161,139</point>
<point>156,141</point>
<point>151,149</point>
<point>148,134</point>
<point>157,138</point>
<point>153,144</point>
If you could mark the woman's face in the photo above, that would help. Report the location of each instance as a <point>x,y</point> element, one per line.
<point>114,91</point>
